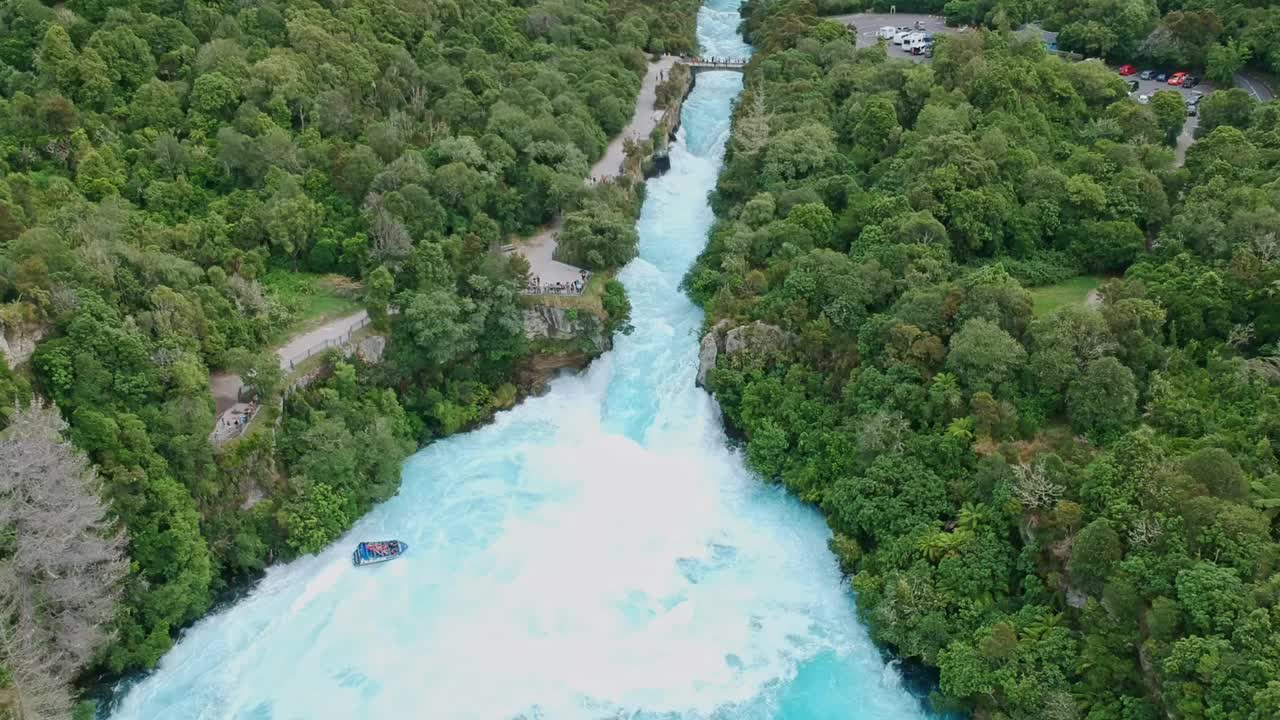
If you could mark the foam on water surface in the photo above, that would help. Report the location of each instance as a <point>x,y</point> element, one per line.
<point>595,553</point>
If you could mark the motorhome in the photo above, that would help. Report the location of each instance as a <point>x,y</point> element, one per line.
<point>915,42</point>
<point>887,32</point>
<point>901,36</point>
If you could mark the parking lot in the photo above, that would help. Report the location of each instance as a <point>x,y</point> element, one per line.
<point>1149,87</point>
<point>866,25</point>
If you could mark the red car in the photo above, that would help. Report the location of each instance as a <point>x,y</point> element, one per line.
<point>1128,70</point>
<point>1177,78</point>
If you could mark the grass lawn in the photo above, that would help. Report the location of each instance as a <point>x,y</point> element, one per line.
<point>1048,298</point>
<point>311,299</point>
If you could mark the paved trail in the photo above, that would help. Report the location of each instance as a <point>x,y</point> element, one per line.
<point>336,330</point>
<point>540,249</point>
<point>226,386</point>
<point>643,121</point>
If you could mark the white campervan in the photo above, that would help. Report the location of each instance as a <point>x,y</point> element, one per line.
<point>887,32</point>
<point>913,41</point>
<point>901,35</point>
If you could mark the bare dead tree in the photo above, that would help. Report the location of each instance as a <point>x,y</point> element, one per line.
<point>1145,531</point>
<point>391,239</point>
<point>1034,488</point>
<point>58,590</point>
<point>42,690</point>
<point>1241,334</point>
<point>1267,247</point>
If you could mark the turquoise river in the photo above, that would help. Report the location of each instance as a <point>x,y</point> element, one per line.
<point>597,553</point>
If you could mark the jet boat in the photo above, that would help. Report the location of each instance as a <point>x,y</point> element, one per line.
<point>367,553</point>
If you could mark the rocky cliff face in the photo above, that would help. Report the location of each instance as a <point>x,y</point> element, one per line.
<point>569,339</point>
<point>755,343</point>
<point>17,342</point>
<point>554,323</point>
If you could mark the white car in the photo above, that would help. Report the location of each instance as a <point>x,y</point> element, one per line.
<point>1144,99</point>
<point>887,32</point>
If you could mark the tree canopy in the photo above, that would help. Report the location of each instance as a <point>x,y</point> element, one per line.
<point>1069,513</point>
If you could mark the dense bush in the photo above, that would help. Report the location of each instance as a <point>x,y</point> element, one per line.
<point>1069,516</point>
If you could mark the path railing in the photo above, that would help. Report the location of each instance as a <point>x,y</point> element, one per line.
<point>576,289</point>
<point>326,344</point>
<point>573,287</point>
<point>701,63</point>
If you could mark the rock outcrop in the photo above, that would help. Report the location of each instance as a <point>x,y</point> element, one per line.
<point>758,339</point>
<point>566,339</point>
<point>535,371</point>
<point>755,343</point>
<point>552,323</point>
<point>371,349</point>
<point>18,341</point>
<point>548,322</point>
<point>709,350</point>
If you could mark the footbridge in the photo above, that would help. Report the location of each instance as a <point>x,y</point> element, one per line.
<point>708,64</point>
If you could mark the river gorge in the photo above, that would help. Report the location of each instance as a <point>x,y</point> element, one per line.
<point>597,552</point>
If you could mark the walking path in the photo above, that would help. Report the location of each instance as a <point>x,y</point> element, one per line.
<point>234,415</point>
<point>540,249</point>
<point>643,121</point>
<point>332,334</point>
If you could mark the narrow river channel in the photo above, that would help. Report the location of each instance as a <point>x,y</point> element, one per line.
<point>595,553</point>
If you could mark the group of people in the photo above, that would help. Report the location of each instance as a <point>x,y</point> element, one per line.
<point>381,548</point>
<point>714,60</point>
<point>568,287</point>
<point>237,419</point>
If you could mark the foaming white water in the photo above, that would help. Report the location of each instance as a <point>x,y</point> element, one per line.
<point>598,552</point>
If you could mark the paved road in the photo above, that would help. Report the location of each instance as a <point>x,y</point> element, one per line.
<point>540,249</point>
<point>1256,87</point>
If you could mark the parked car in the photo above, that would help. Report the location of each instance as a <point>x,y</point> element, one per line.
<point>1147,74</point>
<point>1190,81</point>
<point>1128,70</point>
<point>1177,78</point>
<point>1133,86</point>
<point>1193,109</point>
<point>1144,99</point>
<point>1161,77</point>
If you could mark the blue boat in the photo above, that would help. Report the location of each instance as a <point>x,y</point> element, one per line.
<point>368,553</point>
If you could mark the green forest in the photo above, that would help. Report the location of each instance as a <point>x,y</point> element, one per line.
<point>1068,509</point>
<point>172,172</point>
